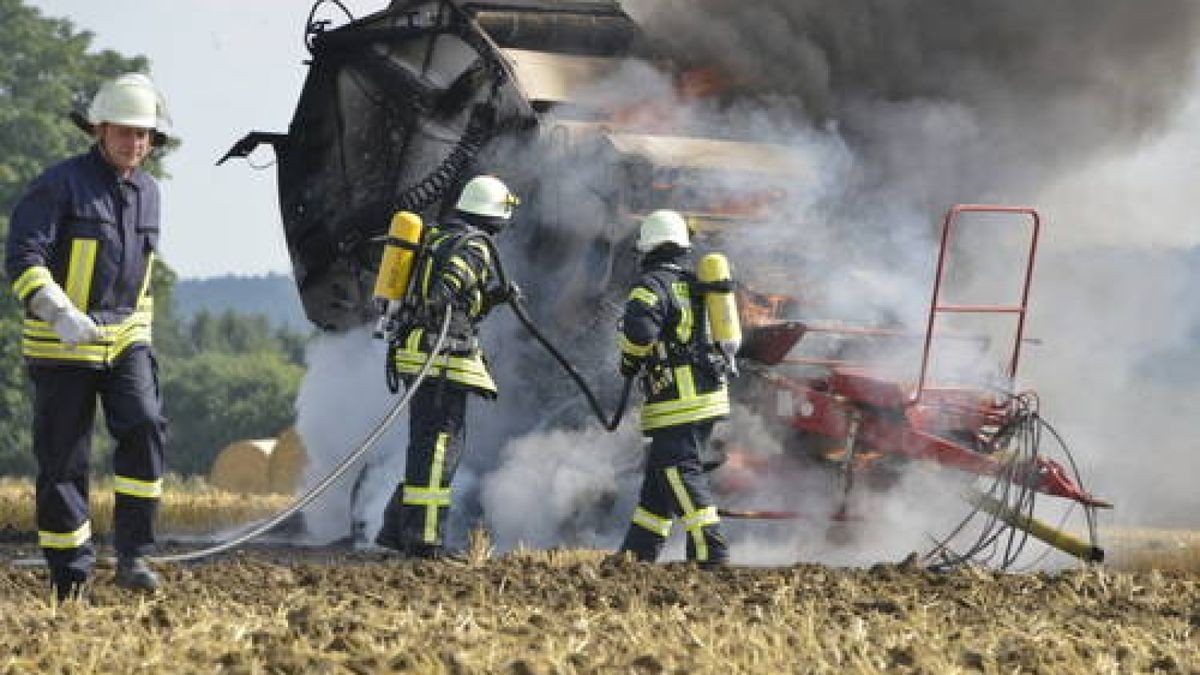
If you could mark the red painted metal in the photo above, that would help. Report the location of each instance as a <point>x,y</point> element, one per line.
<point>936,307</point>
<point>854,404</point>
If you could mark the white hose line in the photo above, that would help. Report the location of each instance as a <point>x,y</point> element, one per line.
<point>315,491</point>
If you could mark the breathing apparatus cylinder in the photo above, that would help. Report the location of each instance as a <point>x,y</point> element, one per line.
<point>721,305</point>
<point>396,266</point>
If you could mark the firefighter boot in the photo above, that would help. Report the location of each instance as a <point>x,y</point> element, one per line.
<point>68,585</point>
<point>389,533</point>
<point>133,572</point>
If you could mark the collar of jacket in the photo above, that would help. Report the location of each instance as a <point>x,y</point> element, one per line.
<point>455,223</point>
<point>664,258</point>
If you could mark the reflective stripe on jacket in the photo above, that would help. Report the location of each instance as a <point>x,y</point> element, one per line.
<point>456,274</point>
<point>666,329</point>
<point>94,234</point>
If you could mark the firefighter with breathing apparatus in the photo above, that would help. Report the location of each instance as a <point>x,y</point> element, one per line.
<point>426,272</point>
<point>679,336</point>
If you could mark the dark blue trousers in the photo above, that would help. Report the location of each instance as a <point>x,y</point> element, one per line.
<point>675,488</point>
<point>65,400</point>
<point>415,516</point>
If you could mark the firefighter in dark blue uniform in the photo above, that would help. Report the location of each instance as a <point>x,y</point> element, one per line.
<point>664,337</point>
<point>455,275</point>
<point>80,252</point>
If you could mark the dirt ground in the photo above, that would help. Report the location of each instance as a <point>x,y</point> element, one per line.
<point>283,611</point>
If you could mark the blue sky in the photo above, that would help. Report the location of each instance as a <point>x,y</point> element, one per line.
<point>226,67</point>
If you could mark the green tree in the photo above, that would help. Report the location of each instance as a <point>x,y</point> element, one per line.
<point>46,70</point>
<point>216,398</point>
<point>224,377</point>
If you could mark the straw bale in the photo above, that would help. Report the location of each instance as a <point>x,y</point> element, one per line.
<point>287,463</point>
<point>243,467</point>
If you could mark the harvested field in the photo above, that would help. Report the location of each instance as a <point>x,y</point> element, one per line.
<point>267,610</point>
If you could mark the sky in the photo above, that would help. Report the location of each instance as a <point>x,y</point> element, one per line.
<point>226,67</point>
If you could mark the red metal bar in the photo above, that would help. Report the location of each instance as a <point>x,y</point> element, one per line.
<point>935,307</point>
<point>828,414</point>
<point>981,309</point>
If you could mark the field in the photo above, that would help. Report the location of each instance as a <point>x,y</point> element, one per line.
<point>542,612</point>
<point>311,610</point>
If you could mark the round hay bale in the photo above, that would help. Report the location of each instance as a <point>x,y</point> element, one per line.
<point>243,466</point>
<point>287,463</point>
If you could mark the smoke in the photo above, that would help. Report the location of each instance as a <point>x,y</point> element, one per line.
<point>342,398</point>
<point>892,112</point>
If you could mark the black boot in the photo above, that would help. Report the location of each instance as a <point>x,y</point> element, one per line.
<point>133,572</point>
<point>68,585</point>
<point>389,533</point>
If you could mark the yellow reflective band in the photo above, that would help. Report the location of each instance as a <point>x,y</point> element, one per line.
<point>476,302</point>
<point>146,489</point>
<point>142,294</point>
<point>684,329</point>
<point>79,271</point>
<point>654,523</point>
<point>426,496</point>
<point>670,413</point>
<point>482,249</point>
<point>461,265</point>
<point>644,296</point>
<point>685,506</point>
<point>413,343</point>
<point>435,482</point>
<point>63,540</point>
<point>30,280</point>
<point>41,342</point>
<point>700,518</point>
<point>632,348</point>
<point>685,383</point>
<point>470,371</point>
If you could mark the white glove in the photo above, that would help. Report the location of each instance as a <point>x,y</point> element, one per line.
<point>53,306</point>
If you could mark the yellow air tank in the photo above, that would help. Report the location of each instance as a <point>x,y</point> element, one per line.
<point>723,324</point>
<point>404,237</point>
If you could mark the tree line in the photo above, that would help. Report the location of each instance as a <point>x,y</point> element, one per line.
<point>224,376</point>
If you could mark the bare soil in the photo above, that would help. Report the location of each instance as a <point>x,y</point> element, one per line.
<point>285,611</point>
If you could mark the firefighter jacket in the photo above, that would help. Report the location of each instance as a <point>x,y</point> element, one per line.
<point>665,332</point>
<point>95,234</point>
<point>455,273</point>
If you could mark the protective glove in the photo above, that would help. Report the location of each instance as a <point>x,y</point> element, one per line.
<point>53,306</point>
<point>493,297</point>
<point>629,366</point>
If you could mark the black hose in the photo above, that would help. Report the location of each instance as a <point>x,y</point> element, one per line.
<point>518,307</point>
<point>255,529</point>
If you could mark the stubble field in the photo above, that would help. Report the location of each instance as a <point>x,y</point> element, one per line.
<point>292,610</point>
<point>265,610</point>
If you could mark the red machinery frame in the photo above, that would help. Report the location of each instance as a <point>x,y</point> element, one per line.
<point>859,406</point>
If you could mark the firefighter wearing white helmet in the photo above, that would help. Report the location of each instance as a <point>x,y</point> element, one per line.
<point>663,227</point>
<point>80,254</point>
<point>486,202</point>
<point>457,275</point>
<point>664,342</point>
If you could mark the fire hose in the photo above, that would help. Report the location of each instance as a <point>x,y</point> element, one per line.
<point>321,486</point>
<point>517,304</point>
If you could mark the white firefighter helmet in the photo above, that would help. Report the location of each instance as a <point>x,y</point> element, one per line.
<point>663,227</point>
<point>487,196</point>
<point>131,100</point>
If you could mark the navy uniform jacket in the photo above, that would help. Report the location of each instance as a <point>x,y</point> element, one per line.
<point>94,234</point>
<point>454,274</point>
<point>665,330</point>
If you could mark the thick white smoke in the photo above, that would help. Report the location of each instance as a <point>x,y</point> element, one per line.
<point>1085,110</point>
